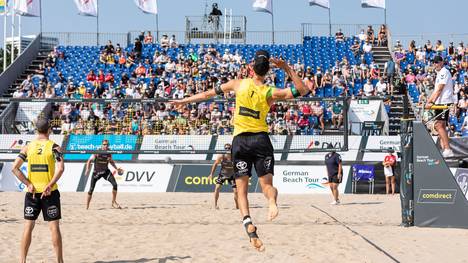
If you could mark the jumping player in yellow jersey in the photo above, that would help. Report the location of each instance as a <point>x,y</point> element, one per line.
<point>251,145</point>
<point>45,167</point>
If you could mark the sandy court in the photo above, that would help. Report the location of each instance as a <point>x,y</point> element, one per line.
<point>182,227</point>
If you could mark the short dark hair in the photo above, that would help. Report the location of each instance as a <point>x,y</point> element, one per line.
<point>261,62</point>
<point>42,125</point>
<point>438,59</point>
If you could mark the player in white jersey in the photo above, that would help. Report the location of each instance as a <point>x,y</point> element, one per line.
<point>443,95</point>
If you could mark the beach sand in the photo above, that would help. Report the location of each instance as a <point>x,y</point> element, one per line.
<point>183,227</point>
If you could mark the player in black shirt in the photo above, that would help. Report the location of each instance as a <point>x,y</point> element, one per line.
<point>225,174</point>
<point>335,174</point>
<point>101,170</point>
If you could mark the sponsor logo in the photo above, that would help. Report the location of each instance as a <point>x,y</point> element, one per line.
<point>437,196</point>
<point>249,112</point>
<point>171,145</point>
<point>303,178</point>
<point>317,144</point>
<point>93,142</point>
<point>267,163</point>
<point>315,186</point>
<point>462,180</point>
<point>427,160</point>
<point>52,211</point>
<point>18,144</point>
<point>138,176</point>
<point>28,211</point>
<point>241,166</point>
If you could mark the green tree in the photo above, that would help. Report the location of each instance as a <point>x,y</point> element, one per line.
<point>8,57</point>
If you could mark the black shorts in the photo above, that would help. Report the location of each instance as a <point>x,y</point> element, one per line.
<point>230,179</point>
<point>49,205</point>
<point>334,179</point>
<point>443,116</point>
<point>106,174</point>
<point>249,149</point>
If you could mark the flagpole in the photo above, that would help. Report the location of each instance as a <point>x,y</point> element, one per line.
<point>329,22</point>
<point>385,16</point>
<point>40,18</point>
<point>19,35</point>
<point>12,45</point>
<point>97,23</point>
<point>157,28</point>
<point>272,24</point>
<point>5,35</point>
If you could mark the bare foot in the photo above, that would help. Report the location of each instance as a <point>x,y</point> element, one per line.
<point>216,207</point>
<point>256,242</point>
<point>272,211</point>
<point>116,205</point>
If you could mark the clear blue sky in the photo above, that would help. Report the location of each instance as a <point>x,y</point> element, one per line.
<point>405,17</point>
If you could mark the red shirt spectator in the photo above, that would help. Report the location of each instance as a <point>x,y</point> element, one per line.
<point>91,76</point>
<point>109,77</point>
<point>101,78</point>
<point>306,110</point>
<point>303,122</point>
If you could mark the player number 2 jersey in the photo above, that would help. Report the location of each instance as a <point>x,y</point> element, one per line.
<point>251,107</point>
<point>41,164</point>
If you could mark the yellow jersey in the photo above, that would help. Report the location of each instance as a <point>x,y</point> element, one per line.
<point>41,164</point>
<point>251,107</point>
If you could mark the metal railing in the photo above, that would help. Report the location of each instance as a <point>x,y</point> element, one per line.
<point>421,39</point>
<point>322,29</point>
<point>182,37</point>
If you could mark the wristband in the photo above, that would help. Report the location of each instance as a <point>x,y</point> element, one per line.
<point>295,92</point>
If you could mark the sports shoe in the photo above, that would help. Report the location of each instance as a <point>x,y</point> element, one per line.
<point>447,153</point>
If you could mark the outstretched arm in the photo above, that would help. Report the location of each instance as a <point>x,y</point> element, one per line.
<point>299,88</point>
<point>226,87</point>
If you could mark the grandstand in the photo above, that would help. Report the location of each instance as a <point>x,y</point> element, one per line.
<point>163,72</point>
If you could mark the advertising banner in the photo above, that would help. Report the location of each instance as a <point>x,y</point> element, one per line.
<point>277,141</point>
<point>322,142</point>
<point>360,112</point>
<point>362,172</point>
<point>17,141</point>
<point>381,143</point>
<point>93,142</point>
<point>67,183</point>
<point>136,178</point>
<point>194,178</point>
<point>296,179</point>
<point>175,143</point>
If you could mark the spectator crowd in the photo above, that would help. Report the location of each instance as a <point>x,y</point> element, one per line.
<point>415,64</point>
<point>169,70</point>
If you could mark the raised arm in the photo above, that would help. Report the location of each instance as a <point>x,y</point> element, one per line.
<point>299,88</point>
<point>219,90</point>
